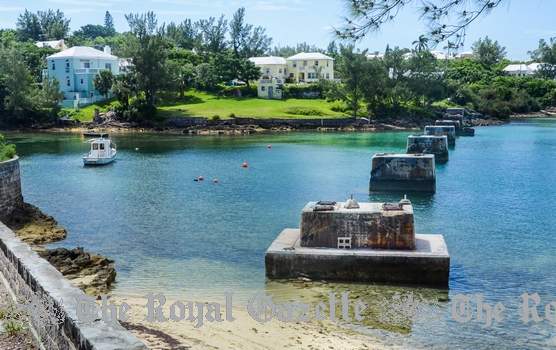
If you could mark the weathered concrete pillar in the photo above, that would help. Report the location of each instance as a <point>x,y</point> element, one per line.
<point>10,187</point>
<point>429,144</point>
<point>439,130</point>
<point>447,122</point>
<point>370,225</point>
<point>455,117</point>
<point>403,172</point>
<point>364,242</point>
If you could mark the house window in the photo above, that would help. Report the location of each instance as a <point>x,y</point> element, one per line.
<point>267,71</point>
<point>67,67</point>
<point>53,66</point>
<point>304,63</point>
<point>101,146</point>
<point>327,63</point>
<point>262,88</point>
<point>108,66</point>
<point>86,65</point>
<point>68,83</point>
<point>280,70</point>
<point>294,65</point>
<point>291,75</point>
<point>311,75</point>
<point>81,81</point>
<point>327,75</point>
<point>316,63</point>
<point>344,242</point>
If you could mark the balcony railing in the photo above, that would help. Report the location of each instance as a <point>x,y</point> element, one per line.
<point>88,70</point>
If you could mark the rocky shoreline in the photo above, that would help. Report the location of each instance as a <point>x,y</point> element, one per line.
<point>92,273</point>
<point>544,113</point>
<point>230,128</point>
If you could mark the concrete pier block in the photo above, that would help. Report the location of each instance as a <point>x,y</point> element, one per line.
<point>403,172</point>
<point>428,264</point>
<point>447,122</point>
<point>429,144</point>
<point>440,130</point>
<point>370,225</point>
<point>467,132</point>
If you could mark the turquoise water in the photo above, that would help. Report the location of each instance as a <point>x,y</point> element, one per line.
<point>494,206</point>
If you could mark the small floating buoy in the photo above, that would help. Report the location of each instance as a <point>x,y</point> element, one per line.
<point>244,164</point>
<point>215,180</point>
<point>196,179</point>
<point>269,146</point>
<point>137,148</point>
<point>201,178</point>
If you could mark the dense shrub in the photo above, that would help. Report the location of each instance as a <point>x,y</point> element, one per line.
<point>302,91</point>
<point>7,151</point>
<point>239,91</point>
<point>304,111</point>
<point>339,106</point>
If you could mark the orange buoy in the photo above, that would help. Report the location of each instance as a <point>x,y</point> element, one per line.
<point>244,164</point>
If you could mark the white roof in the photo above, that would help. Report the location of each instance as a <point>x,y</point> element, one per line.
<point>267,60</point>
<point>516,68</point>
<point>535,66</point>
<point>309,56</point>
<point>51,43</point>
<point>83,52</point>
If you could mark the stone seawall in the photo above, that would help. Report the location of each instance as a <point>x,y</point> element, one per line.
<point>53,300</point>
<point>10,187</point>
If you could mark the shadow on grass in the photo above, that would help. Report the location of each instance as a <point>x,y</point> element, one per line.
<point>176,101</point>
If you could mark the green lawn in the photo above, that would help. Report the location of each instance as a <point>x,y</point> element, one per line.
<point>86,114</point>
<point>200,104</point>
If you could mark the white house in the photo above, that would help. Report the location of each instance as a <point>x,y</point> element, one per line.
<point>53,44</point>
<point>310,67</point>
<point>76,68</point>
<point>300,68</point>
<point>271,66</point>
<point>375,55</point>
<point>521,69</point>
<point>465,54</point>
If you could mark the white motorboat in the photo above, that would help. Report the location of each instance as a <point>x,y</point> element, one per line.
<point>102,151</point>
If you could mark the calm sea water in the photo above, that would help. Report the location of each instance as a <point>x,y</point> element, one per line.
<point>494,205</point>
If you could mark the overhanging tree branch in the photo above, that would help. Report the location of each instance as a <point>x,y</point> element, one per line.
<point>447,19</point>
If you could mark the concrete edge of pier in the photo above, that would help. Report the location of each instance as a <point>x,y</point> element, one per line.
<point>428,265</point>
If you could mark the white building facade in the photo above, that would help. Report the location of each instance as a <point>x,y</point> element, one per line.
<point>75,70</point>
<point>271,66</point>
<point>310,67</point>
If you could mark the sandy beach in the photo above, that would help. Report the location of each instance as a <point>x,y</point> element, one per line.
<point>242,333</point>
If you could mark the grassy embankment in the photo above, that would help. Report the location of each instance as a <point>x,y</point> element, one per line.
<point>201,104</point>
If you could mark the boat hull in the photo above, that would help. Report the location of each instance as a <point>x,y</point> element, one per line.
<point>98,161</point>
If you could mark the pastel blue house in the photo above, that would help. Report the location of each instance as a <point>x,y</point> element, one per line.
<point>75,70</point>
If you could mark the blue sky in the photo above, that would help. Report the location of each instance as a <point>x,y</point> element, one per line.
<point>517,24</point>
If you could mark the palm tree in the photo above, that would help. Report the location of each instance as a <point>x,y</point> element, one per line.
<point>421,44</point>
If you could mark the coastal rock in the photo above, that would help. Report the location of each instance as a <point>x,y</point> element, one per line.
<point>94,274</point>
<point>33,226</point>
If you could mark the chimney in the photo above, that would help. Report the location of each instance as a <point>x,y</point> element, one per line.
<point>107,50</point>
